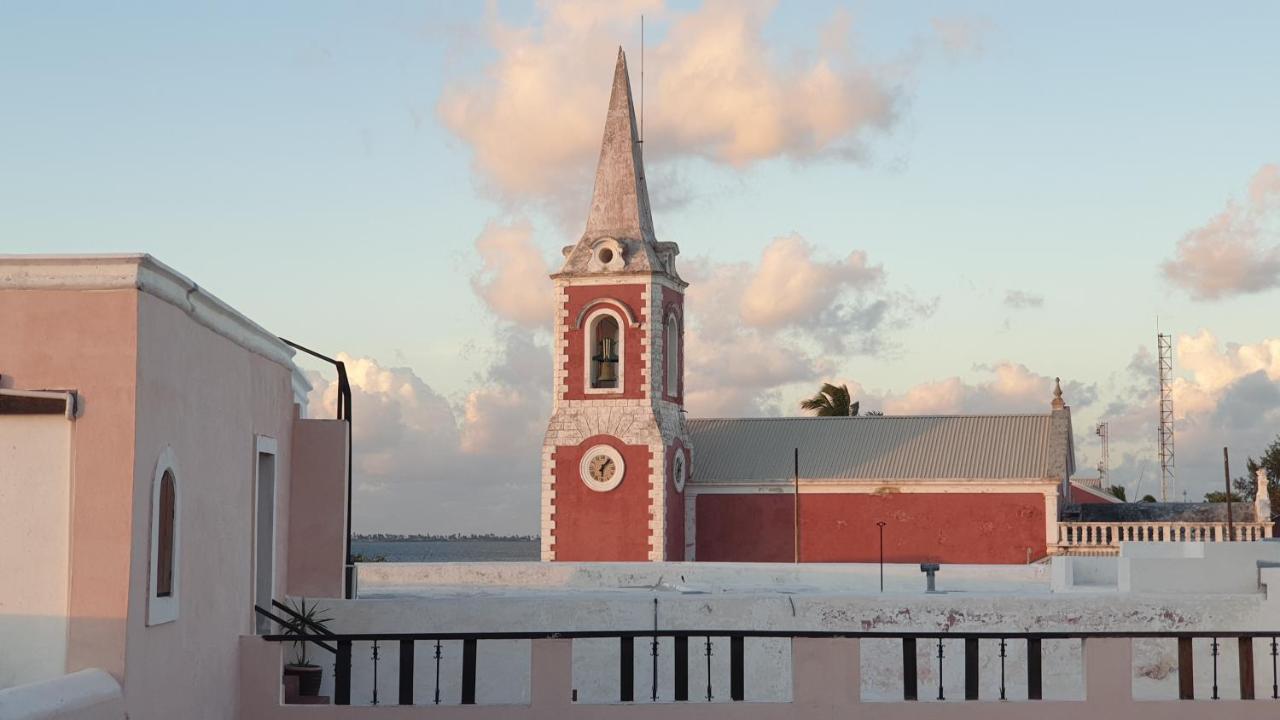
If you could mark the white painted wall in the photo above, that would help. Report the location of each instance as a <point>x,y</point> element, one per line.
<point>35,502</point>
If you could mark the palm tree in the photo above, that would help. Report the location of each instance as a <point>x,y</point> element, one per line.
<point>831,401</point>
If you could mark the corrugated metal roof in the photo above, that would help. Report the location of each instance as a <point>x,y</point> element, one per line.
<point>923,447</point>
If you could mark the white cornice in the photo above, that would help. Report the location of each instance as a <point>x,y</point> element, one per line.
<point>146,274</point>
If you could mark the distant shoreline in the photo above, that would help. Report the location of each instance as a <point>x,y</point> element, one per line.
<point>391,538</point>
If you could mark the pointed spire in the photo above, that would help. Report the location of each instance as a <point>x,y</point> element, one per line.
<point>1057,403</point>
<point>620,202</point>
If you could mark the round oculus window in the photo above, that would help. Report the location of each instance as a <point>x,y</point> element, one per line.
<point>605,255</point>
<point>601,468</point>
<point>678,471</point>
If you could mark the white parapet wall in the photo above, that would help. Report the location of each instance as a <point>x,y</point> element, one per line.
<point>555,597</point>
<point>83,695</point>
<point>409,579</point>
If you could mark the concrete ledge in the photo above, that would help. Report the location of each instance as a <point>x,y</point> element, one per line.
<point>84,695</point>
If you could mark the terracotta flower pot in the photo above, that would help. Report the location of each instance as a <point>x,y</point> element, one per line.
<point>309,677</point>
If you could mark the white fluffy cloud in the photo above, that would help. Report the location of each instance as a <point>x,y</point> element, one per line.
<point>513,280</point>
<point>791,287</point>
<point>1238,251</point>
<point>424,464</point>
<point>1010,388</point>
<point>757,328</point>
<point>1223,395</point>
<point>532,116</point>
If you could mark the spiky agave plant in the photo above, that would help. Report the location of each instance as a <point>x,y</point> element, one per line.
<point>309,617</point>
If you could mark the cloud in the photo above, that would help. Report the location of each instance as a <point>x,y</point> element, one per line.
<point>1238,251</point>
<point>716,88</point>
<point>1022,300</point>
<point>961,38</point>
<point>1010,388</point>
<point>1223,394</point>
<point>424,464</point>
<point>791,318</point>
<point>513,280</point>
<point>790,287</point>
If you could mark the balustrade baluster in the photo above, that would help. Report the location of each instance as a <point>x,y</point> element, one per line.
<point>406,672</point>
<point>1186,670</point>
<point>342,674</point>
<point>626,670</point>
<point>910,678</point>
<point>971,668</point>
<point>1213,649</point>
<point>439,655</point>
<point>375,672</point>
<point>940,695</point>
<point>469,671</point>
<point>737,668</point>
<point>681,658</point>
<point>1245,653</point>
<point>709,696</point>
<point>1034,676</point>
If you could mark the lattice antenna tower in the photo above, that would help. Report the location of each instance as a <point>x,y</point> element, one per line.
<point>1104,465</point>
<point>1164,348</point>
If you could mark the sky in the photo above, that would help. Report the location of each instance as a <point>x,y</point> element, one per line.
<point>944,205</point>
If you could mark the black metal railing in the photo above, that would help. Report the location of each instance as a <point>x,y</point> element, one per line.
<point>737,641</point>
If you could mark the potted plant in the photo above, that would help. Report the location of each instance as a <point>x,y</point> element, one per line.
<point>312,621</point>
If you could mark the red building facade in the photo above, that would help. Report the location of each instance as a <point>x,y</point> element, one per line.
<point>625,477</point>
<point>616,457</point>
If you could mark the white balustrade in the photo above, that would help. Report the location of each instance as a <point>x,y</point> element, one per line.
<point>1106,537</point>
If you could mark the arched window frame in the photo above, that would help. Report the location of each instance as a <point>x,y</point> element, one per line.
<point>588,349</point>
<point>164,608</point>
<point>672,355</point>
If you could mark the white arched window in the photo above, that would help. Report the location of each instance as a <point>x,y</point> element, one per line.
<point>673,356</point>
<point>162,580</point>
<point>603,349</point>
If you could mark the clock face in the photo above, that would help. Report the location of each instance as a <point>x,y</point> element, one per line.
<point>677,471</point>
<point>602,468</point>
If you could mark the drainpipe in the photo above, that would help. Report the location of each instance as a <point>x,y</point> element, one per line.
<point>344,413</point>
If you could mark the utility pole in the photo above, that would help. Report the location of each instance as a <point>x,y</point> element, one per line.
<point>1164,350</point>
<point>1226,478</point>
<point>1104,465</point>
<point>795,522</point>
<point>880,524</point>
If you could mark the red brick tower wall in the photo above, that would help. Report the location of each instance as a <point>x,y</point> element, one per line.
<point>602,526</point>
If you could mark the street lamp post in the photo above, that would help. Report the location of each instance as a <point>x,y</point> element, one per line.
<point>880,524</point>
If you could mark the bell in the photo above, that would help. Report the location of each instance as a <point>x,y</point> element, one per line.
<point>608,359</point>
<point>608,373</point>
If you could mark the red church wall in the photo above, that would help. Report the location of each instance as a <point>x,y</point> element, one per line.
<point>946,528</point>
<point>628,296</point>
<point>675,508</point>
<point>672,300</point>
<point>601,526</point>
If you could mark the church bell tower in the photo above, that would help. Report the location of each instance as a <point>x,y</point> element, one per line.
<point>616,453</point>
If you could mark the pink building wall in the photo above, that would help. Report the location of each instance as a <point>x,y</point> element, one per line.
<point>161,367</point>
<point>207,398</point>
<point>317,545</point>
<point>86,341</point>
